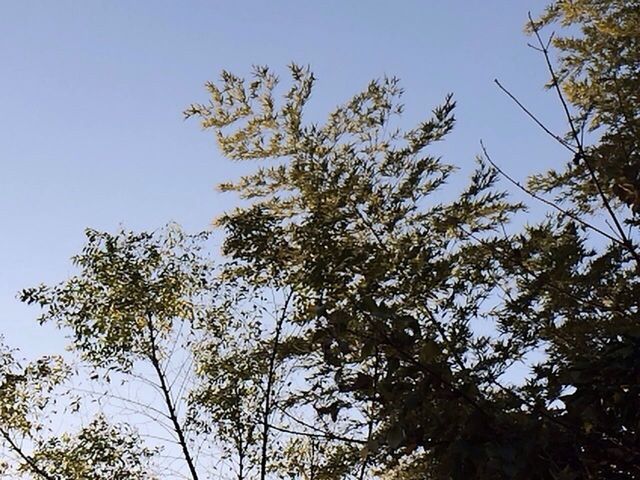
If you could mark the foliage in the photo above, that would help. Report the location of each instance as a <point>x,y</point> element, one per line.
<point>599,72</point>
<point>388,282</point>
<point>99,451</point>
<point>392,287</point>
<point>128,284</point>
<point>25,391</point>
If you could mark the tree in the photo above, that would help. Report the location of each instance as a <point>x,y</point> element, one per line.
<point>24,395</point>
<point>387,281</point>
<point>145,313</point>
<point>132,311</point>
<point>28,400</point>
<point>390,284</point>
<point>99,450</point>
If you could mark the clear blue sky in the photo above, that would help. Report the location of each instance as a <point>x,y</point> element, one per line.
<point>91,95</point>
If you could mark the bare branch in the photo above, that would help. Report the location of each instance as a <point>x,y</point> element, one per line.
<point>556,137</point>
<point>326,435</point>
<point>269,388</point>
<point>544,200</point>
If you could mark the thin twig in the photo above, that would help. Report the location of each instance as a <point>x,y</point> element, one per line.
<point>326,435</point>
<point>556,137</point>
<point>27,459</point>
<point>269,387</point>
<point>545,201</point>
<point>155,362</point>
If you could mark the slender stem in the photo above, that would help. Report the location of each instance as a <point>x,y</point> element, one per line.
<point>27,459</point>
<point>544,200</point>
<point>155,362</point>
<point>240,460</point>
<point>371,423</point>
<point>323,433</point>
<point>533,117</point>
<point>269,388</point>
<point>326,435</point>
<point>312,465</point>
<point>125,400</point>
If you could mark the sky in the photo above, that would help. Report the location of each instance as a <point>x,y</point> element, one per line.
<point>92,94</point>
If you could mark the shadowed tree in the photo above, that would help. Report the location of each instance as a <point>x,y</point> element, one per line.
<point>390,285</point>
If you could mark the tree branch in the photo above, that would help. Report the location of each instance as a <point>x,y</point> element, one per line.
<point>155,362</point>
<point>556,137</point>
<point>27,459</point>
<point>545,201</point>
<point>326,435</point>
<point>269,388</point>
